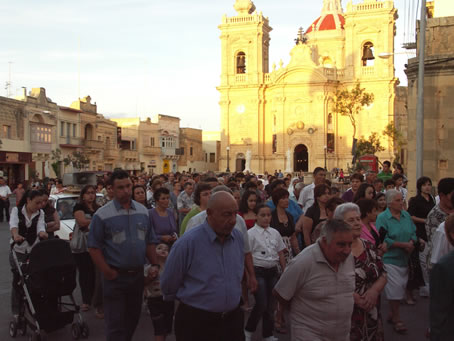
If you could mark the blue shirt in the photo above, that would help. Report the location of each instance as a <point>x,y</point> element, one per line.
<point>122,234</point>
<point>293,208</point>
<point>402,230</point>
<point>203,272</point>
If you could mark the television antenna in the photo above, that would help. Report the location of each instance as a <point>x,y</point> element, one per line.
<point>8,84</point>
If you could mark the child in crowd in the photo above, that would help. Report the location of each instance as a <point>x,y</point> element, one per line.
<point>267,250</point>
<point>161,311</point>
<point>19,192</point>
<point>389,184</point>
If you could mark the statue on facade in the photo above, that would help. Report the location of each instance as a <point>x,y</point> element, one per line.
<point>247,166</point>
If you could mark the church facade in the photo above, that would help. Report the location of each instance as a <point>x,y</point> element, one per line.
<point>283,118</point>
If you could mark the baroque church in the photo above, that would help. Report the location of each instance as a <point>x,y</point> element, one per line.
<point>283,118</point>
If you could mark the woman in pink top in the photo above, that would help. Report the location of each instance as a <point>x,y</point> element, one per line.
<point>368,208</point>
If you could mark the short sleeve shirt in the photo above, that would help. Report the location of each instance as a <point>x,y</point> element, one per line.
<point>321,299</point>
<point>266,243</point>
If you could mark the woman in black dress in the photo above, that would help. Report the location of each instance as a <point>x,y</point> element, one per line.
<point>419,207</point>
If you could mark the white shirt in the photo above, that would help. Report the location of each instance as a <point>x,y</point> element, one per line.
<point>240,225</point>
<point>306,198</point>
<point>14,223</point>
<point>5,191</point>
<point>440,244</point>
<point>266,243</point>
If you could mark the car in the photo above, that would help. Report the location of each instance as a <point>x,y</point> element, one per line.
<point>64,204</point>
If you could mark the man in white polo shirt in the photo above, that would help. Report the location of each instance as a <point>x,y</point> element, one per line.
<point>319,284</point>
<point>5,193</point>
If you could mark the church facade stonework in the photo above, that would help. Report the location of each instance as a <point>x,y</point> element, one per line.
<point>283,118</point>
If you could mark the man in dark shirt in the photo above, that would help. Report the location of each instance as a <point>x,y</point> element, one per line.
<point>120,240</point>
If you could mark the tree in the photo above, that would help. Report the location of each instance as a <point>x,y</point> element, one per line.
<point>56,158</point>
<point>370,146</point>
<point>398,139</point>
<point>351,103</point>
<point>78,160</point>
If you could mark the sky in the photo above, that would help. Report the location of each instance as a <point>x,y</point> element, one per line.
<point>141,57</point>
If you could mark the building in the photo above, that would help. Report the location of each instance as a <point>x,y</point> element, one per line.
<point>15,149</point>
<point>438,152</point>
<point>40,120</point>
<point>169,141</point>
<point>99,136</point>
<point>69,138</point>
<point>139,145</point>
<point>192,158</point>
<point>211,141</point>
<point>284,118</point>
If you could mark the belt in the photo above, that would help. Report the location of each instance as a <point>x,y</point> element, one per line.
<point>127,271</point>
<point>206,313</point>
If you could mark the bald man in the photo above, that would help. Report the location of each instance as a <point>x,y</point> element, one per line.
<point>203,272</point>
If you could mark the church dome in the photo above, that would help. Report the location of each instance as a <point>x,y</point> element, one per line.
<point>327,22</point>
<point>332,17</point>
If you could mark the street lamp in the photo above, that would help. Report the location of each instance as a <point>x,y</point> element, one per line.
<point>228,159</point>
<point>325,147</point>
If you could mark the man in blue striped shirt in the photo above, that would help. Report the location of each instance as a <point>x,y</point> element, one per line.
<point>120,240</point>
<point>204,272</point>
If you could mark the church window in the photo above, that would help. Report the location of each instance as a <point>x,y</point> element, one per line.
<point>274,143</point>
<point>330,143</point>
<point>368,54</point>
<point>327,62</point>
<point>330,122</point>
<point>241,63</point>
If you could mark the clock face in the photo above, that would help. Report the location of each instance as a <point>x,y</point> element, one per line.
<point>240,108</point>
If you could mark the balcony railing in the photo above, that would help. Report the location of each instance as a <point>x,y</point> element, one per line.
<point>70,141</point>
<point>94,144</point>
<point>148,150</point>
<point>129,154</point>
<point>111,153</point>
<point>168,151</point>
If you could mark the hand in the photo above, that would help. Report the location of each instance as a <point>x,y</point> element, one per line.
<point>422,245</point>
<point>252,283</point>
<point>382,249</point>
<point>370,298</point>
<point>359,301</point>
<point>167,239</point>
<point>410,247</point>
<point>111,274</point>
<point>43,235</point>
<point>18,238</point>
<point>153,272</point>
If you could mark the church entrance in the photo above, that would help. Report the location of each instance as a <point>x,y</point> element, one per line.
<point>301,159</point>
<point>240,163</point>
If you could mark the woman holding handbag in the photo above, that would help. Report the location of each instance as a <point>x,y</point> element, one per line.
<point>83,212</point>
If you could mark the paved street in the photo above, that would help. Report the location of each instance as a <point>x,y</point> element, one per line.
<point>414,317</point>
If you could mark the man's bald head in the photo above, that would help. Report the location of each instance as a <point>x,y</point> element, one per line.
<point>221,213</point>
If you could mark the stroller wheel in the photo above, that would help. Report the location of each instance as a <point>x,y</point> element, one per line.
<point>76,331</point>
<point>85,331</point>
<point>13,328</point>
<point>23,328</point>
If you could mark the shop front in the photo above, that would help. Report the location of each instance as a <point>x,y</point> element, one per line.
<point>14,167</point>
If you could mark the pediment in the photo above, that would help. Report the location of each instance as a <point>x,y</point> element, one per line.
<point>368,30</point>
<point>301,75</point>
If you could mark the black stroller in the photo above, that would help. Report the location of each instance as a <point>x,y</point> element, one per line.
<point>43,281</point>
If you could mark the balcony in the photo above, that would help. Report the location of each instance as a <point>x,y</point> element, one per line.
<point>111,154</point>
<point>148,150</point>
<point>70,142</point>
<point>94,144</point>
<point>129,154</point>
<point>168,151</point>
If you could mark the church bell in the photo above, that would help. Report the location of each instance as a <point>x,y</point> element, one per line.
<point>367,53</point>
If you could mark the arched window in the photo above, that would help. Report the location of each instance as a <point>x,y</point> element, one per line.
<point>330,122</point>
<point>368,54</point>
<point>241,62</point>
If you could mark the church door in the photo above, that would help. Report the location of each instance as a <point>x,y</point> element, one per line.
<point>301,158</point>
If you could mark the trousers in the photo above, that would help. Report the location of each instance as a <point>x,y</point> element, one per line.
<point>122,298</point>
<point>193,324</point>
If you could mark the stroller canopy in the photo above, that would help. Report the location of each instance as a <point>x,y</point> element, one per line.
<point>48,254</point>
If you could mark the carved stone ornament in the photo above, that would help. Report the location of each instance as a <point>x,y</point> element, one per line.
<point>244,7</point>
<point>289,131</point>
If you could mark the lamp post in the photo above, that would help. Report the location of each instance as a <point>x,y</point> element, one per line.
<point>228,159</point>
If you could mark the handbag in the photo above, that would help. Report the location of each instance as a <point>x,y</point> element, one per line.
<point>78,241</point>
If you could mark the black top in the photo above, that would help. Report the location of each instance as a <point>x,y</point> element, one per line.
<point>420,207</point>
<point>313,212</point>
<point>286,230</point>
<point>85,209</point>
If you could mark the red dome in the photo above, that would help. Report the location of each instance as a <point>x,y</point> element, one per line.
<point>327,22</point>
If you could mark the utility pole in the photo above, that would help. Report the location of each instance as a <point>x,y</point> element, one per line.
<point>420,104</point>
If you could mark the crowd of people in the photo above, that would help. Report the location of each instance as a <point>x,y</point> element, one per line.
<point>195,248</point>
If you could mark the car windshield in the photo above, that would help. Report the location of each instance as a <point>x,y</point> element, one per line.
<point>65,207</point>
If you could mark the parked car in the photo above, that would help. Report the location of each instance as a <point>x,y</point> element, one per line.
<point>64,204</point>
